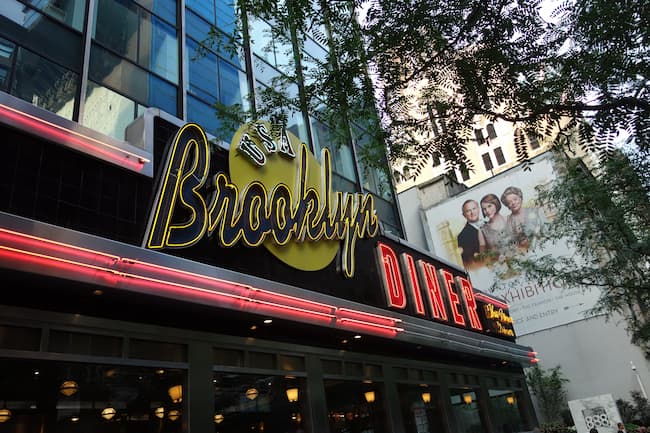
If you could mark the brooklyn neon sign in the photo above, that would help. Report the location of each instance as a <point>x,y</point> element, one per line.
<point>191,204</point>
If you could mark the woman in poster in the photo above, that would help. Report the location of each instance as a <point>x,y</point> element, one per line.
<point>494,237</point>
<point>525,224</point>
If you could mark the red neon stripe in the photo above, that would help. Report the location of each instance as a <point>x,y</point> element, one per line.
<point>49,246</point>
<point>52,131</point>
<point>491,300</point>
<point>264,301</point>
<point>366,328</point>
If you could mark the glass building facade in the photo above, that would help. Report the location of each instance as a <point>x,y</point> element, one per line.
<point>100,334</point>
<point>101,63</point>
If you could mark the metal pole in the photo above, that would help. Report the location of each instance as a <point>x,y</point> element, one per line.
<point>638,379</point>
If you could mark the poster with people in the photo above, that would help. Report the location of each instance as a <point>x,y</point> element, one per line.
<point>484,227</point>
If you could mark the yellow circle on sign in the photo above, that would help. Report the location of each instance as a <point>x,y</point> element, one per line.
<point>305,255</point>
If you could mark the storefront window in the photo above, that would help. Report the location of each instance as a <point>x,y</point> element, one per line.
<point>45,396</point>
<point>465,410</point>
<point>421,409</point>
<point>504,411</point>
<point>355,407</point>
<point>259,403</point>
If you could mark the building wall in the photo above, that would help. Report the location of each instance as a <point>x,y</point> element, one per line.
<point>595,355</point>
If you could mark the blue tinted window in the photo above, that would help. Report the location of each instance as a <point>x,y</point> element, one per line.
<point>226,16</point>
<point>204,8</point>
<point>7,50</point>
<point>230,89</point>
<point>203,114</point>
<point>118,73</point>
<point>162,95</point>
<point>202,69</point>
<point>165,9</point>
<point>197,28</point>
<point>164,50</point>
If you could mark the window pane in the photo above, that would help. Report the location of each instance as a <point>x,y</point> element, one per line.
<point>465,410</point>
<point>118,73</point>
<point>355,407</point>
<point>342,160</point>
<point>202,70</point>
<point>498,153</point>
<point>164,51</point>
<point>162,95</point>
<point>70,12</point>
<point>226,16</point>
<point>48,396</point>
<point>163,8</point>
<point>487,161</point>
<point>204,8</point>
<point>122,15</point>
<point>7,50</point>
<point>232,81</point>
<point>504,411</point>
<point>39,34</point>
<point>203,114</point>
<point>421,409</point>
<point>106,111</point>
<point>44,84</point>
<point>255,403</point>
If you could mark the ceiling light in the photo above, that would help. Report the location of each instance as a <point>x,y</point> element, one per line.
<point>467,398</point>
<point>5,414</point>
<point>292,394</point>
<point>68,388</point>
<point>370,396</point>
<point>252,393</point>
<point>176,393</point>
<point>174,415</point>
<point>108,413</point>
<point>218,418</point>
<point>356,337</point>
<point>268,321</point>
<point>426,397</point>
<point>159,412</point>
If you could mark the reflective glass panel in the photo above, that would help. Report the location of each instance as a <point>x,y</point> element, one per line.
<point>44,84</point>
<point>7,50</point>
<point>107,111</point>
<point>203,114</point>
<point>421,409</point>
<point>504,411</point>
<point>163,52</point>
<point>49,397</point>
<point>162,95</point>
<point>232,81</point>
<point>465,410</point>
<point>204,8</point>
<point>342,159</point>
<point>259,403</point>
<point>39,34</point>
<point>70,12</point>
<point>163,8</point>
<point>355,407</point>
<point>118,73</point>
<point>202,70</point>
<point>111,15</point>
<point>226,15</point>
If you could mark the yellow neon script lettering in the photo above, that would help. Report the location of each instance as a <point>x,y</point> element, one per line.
<point>253,214</point>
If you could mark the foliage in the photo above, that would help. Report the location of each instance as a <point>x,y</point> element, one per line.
<point>582,66</point>
<point>548,387</point>
<point>635,411</point>
<point>604,216</point>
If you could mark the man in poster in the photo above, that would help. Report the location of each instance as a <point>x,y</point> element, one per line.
<point>468,237</point>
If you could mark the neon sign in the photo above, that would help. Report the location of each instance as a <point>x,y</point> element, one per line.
<point>255,209</point>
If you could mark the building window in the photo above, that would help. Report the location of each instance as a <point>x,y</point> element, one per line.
<point>466,411</point>
<point>487,161</point>
<point>490,130</point>
<point>464,174</point>
<point>498,153</point>
<point>533,141</point>
<point>478,133</point>
<point>355,406</point>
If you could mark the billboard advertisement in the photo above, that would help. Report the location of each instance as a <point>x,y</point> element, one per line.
<point>485,226</point>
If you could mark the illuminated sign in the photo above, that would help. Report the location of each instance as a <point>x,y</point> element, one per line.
<point>272,196</point>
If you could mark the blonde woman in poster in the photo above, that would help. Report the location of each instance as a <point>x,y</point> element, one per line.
<point>495,239</point>
<point>525,224</point>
